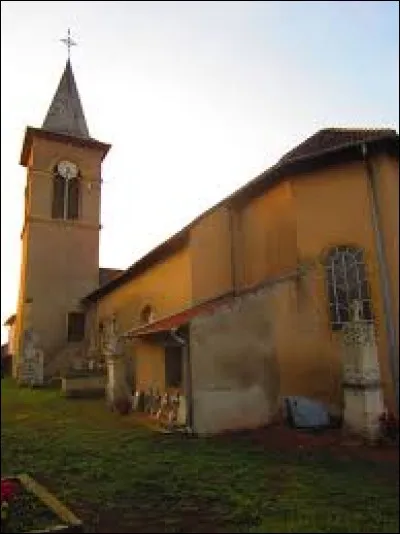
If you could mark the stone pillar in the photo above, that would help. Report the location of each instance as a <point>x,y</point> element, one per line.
<point>26,340</point>
<point>363,403</point>
<point>117,388</point>
<point>31,362</point>
<point>182,411</point>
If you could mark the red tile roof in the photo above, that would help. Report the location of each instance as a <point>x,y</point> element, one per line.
<point>179,319</point>
<point>329,139</point>
<point>106,275</point>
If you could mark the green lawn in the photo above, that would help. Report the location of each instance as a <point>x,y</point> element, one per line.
<point>119,476</point>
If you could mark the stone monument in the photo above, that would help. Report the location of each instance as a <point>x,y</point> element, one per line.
<point>117,389</point>
<point>31,364</point>
<point>363,402</point>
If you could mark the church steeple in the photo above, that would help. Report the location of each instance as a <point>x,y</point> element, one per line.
<point>65,114</point>
<point>62,221</point>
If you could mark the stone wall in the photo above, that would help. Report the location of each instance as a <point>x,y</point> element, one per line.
<point>235,371</point>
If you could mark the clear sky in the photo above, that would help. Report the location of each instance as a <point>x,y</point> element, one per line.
<point>196,98</point>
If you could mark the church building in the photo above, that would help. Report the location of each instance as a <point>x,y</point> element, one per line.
<point>243,307</point>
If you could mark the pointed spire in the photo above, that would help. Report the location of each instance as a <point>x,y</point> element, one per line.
<point>65,114</point>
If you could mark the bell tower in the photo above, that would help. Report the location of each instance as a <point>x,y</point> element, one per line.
<point>61,230</point>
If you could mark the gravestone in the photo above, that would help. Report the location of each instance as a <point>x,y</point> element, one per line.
<point>31,370</point>
<point>363,402</point>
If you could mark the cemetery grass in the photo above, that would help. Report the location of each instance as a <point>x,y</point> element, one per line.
<point>119,476</point>
<point>29,512</point>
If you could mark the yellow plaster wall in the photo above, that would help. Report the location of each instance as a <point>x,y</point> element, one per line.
<point>291,225</point>
<point>387,180</point>
<point>149,366</point>
<point>332,208</point>
<point>165,286</point>
<point>265,237</point>
<point>211,255</point>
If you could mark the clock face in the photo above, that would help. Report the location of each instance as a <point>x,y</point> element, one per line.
<point>67,169</point>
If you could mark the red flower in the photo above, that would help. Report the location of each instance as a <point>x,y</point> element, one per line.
<point>8,490</point>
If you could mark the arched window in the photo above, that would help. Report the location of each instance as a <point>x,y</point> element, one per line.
<point>73,198</point>
<point>147,314</point>
<point>66,194</point>
<point>58,197</point>
<point>347,281</point>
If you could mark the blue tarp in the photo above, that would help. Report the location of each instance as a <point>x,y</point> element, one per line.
<point>306,413</point>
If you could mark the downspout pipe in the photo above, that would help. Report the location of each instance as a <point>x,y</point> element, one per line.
<point>188,376</point>
<point>232,231</point>
<point>383,272</point>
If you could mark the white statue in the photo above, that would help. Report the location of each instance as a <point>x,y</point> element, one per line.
<point>32,360</point>
<point>356,309</point>
<point>117,387</point>
<point>112,343</point>
<point>29,346</point>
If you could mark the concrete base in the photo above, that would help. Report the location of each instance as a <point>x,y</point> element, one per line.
<point>117,386</point>
<point>363,399</point>
<point>362,408</point>
<point>85,386</point>
<point>217,411</point>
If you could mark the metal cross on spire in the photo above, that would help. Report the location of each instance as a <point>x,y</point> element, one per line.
<point>68,42</point>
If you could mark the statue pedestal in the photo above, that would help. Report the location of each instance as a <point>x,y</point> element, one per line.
<point>117,388</point>
<point>363,402</point>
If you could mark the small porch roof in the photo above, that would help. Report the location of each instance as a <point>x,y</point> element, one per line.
<point>177,320</point>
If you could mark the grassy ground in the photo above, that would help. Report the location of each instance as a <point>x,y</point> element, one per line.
<point>119,476</point>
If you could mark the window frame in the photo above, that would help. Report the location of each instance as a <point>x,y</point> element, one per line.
<point>62,207</point>
<point>171,353</point>
<point>147,314</point>
<point>341,263</point>
<point>72,336</point>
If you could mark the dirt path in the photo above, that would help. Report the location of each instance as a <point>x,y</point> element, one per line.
<point>283,438</point>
